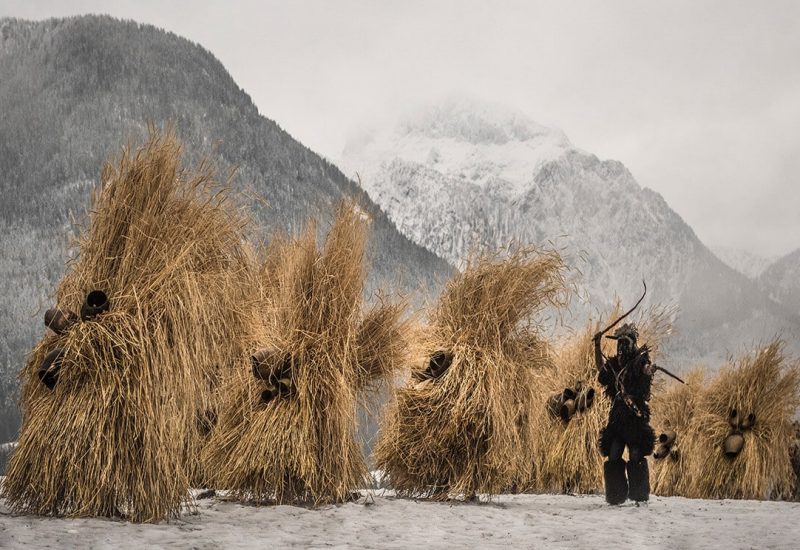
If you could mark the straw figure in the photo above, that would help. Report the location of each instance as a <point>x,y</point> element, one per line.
<point>146,315</point>
<point>741,430</point>
<point>287,425</point>
<point>569,410</point>
<point>673,411</point>
<point>461,425</point>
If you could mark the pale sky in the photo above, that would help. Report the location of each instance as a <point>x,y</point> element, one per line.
<point>699,99</point>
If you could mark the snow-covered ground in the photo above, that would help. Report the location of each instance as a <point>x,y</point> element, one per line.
<point>381,521</point>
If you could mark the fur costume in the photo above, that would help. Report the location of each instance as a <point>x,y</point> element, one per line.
<point>627,378</point>
<point>631,424</point>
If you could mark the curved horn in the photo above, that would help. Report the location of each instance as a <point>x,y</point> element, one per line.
<point>612,325</point>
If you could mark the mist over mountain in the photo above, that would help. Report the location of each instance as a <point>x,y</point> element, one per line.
<point>777,277</point>
<point>748,264</point>
<point>781,281</point>
<point>461,175</point>
<point>73,91</point>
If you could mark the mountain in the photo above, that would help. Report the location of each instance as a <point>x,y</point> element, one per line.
<point>73,91</point>
<point>748,264</point>
<point>462,174</point>
<point>781,281</point>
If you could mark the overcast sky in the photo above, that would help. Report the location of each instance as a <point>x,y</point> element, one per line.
<point>700,100</point>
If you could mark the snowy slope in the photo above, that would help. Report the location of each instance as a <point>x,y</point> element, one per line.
<point>743,261</point>
<point>462,175</point>
<point>472,144</point>
<point>511,521</point>
<point>781,281</point>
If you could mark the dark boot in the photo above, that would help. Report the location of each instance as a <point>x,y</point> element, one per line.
<point>639,480</point>
<point>616,484</point>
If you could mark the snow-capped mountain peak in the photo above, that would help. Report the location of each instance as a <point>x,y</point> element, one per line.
<point>475,122</point>
<point>477,144</point>
<point>747,263</point>
<point>457,176</point>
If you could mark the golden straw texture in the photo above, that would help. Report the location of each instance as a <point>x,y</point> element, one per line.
<point>673,409</point>
<point>120,432</point>
<point>566,455</point>
<point>766,383</point>
<point>301,447</point>
<point>466,431</point>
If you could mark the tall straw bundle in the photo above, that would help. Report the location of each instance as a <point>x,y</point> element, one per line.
<point>766,384</point>
<point>673,411</point>
<point>565,451</point>
<point>461,425</point>
<point>299,444</point>
<point>118,432</point>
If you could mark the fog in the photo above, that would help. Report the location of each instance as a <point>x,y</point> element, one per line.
<point>701,100</point>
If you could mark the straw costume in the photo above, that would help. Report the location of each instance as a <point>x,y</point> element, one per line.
<point>741,429</point>
<point>112,395</point>
<point>462,424</point>
<point>673,412</point>
<point>287,424</point>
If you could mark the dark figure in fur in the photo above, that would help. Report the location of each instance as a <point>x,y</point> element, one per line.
<point>626,377</point>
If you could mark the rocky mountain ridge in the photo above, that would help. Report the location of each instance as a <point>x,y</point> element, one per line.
<point>468,192</point>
